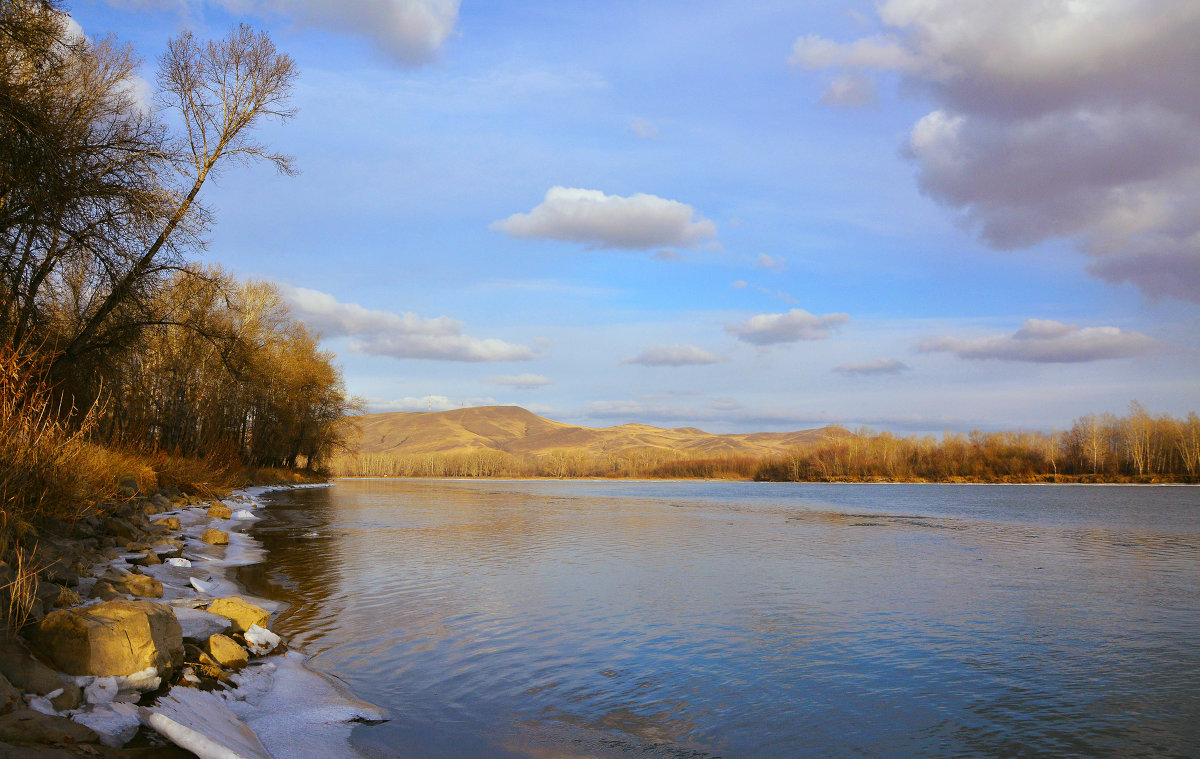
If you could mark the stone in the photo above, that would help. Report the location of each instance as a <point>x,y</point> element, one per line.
<point>112,638</point>
<point>161,501</point>
<point>215,537</point>
<point>122,528</point>
<point>29,675</point>
<point>141,586</point>
<point>128,486</point>
<point>242,614</point>
<point>171,523</point>
<point>10,697</point>
<point>226,652</point>
<point>28,726</point>
<point>219,511</point>
<point>149,560</point>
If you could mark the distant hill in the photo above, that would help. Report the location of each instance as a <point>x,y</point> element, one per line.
<point>514,430</point>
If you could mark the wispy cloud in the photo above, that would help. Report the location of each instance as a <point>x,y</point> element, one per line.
<point>879,366</point>
<point>610,221</point>
<point>1055,120</point>
<point>424,403</point>
<point>673,355</point>
<point>790,327</point>
<point>1045,341</point>
<point>383,333</point>
<point>772,263</point>
<point>520,381</point>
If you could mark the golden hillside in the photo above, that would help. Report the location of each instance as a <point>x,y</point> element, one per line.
<point>514,430</point>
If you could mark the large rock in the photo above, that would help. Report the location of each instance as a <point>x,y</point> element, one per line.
<point>215,537</point>
<point>171,523</point>
<point>112,638</point>
<point>141,586</point>
<point>34,727</point>
<point>227,652</point>
<point>220,511</point>
<point>242,614</point>
<point>10,697</point>
<point>29,675</point>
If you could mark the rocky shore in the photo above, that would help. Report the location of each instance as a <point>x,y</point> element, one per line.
<point>137,644</point>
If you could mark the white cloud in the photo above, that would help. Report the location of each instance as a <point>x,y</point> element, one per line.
<point>643,128</point>
<point>667,254</point>
<point>849,91</point>
<point>610,221</point>
<point>1046,341</point>
<point>520,381</point>
<point>382,333</point>
<point>738,284</point>
<point>673,355</point>
<point>410,31</point>
<point>773,263</point>
<point>1056,119</point>
<point>879,366</point>
<point>790,327</point>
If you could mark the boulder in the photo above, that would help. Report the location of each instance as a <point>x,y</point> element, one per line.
<point>29,675</point>
<point>10,697</point>
<point>128,486</point>
<point>149,560</point>
<point>220,511</point>
<point>112,638</point>
<point>28,726</point>
<point>226,652</point>
<point>215,537</point>
<point>242,614</point>
<point>171,523</point>
<point>141,586</point>
<point>161,501</point>
<point>122,528</point>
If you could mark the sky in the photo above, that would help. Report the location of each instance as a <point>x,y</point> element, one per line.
<point>913,215</point>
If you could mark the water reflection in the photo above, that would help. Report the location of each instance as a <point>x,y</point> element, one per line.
<point>570,619</point>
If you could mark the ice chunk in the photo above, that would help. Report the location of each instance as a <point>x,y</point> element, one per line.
<point>42,703</point>
<point>260,640</point>
<point>131,687</point>
<point>200,722</point>
<point>243,514</point>
<point>116,724</point>
<point>102,690</point>
<point>178,562</point>
<point>197,623</point>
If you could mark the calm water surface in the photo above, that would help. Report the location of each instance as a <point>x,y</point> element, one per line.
<point>698,619</point>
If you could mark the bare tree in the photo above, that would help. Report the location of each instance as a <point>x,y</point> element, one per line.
<point>221,91</point>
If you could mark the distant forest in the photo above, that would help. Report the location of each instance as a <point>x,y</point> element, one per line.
<point>1136,447</point>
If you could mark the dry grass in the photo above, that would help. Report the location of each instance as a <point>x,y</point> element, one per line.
<point>47,470</point>
<point>21,591</point>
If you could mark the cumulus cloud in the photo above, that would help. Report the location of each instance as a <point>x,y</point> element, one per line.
<point>520,381</point>
<point>382,333</point>
<point>1044,341</point>
<point>610,221</point>
<point>1055,119</point>
<point>673,355</point>
<point>790,327</point>
<point>409,31</point>
<point>849,91</point>
<point>879,366</point>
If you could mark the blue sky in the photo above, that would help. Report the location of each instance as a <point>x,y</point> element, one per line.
<point>916,215</point>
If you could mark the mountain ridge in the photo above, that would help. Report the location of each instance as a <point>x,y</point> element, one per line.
<point>518,431</point>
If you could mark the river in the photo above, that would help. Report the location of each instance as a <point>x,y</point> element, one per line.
<point>556,619</point>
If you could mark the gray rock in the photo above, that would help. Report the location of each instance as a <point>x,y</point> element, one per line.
<point>29,675</point>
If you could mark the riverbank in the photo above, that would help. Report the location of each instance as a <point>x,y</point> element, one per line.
<point>137,643</point>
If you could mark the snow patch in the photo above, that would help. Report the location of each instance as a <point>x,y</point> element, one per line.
<point>116,724</point>
<point>200,722</point>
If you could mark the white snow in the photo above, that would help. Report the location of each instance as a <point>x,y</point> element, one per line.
<point>180,562</point>
<point>261,641</point>
<point>42,703</point>
<point>200,722</point>
<point>243,515</point>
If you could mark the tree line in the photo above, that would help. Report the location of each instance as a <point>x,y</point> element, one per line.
<point>101,218</point>
<point>1136,447</point>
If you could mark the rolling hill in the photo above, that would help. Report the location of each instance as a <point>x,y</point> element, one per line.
<point>514,430</point>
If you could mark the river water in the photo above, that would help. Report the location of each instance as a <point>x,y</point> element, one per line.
<point>730,619</point>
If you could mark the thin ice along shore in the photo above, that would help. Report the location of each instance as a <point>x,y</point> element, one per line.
<point>156,645</point>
